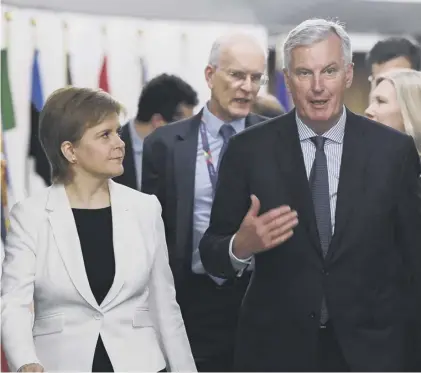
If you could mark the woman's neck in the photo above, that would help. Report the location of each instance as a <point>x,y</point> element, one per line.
<point>88,194</point>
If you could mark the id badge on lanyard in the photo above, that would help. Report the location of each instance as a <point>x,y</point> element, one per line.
<point>213,176</point>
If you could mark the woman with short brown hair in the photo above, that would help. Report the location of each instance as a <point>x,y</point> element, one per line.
<point>91,255</point>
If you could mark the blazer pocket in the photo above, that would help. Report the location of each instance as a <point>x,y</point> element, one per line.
<point>142,319</point>
<point>48,324</point>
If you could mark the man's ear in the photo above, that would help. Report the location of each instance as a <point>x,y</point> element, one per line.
<point>287,79</point>
<point>209,74</point>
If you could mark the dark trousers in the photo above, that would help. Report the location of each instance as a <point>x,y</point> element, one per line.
<point>329,353</point>
<point>217,363</point>
<point>210,312</point>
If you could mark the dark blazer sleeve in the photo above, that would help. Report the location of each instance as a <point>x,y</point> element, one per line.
<point>409,213</point>
<point>409,236</point>
<point>231,203</point>
<point>153,167</point>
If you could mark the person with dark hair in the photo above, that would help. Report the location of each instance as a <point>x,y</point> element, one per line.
<point>90,256</point>
<point>164,99</point>
<point>390,53</point>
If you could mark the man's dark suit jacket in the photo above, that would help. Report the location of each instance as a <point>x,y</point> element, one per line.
<point>168,171</point>
<point>371,274</point>
<point>129,177</point>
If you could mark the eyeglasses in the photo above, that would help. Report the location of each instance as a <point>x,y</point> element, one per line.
<point>238,77</point>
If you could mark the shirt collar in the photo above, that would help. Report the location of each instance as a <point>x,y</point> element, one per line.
<point>137,141</point>
<point>336,133</point>
<point>214,124</point>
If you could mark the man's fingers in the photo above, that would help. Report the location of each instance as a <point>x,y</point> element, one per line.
<point>275,233</point>
<point>280,239</point>
<point>279,235</point>
<point>272,214</point>
<point>283,220</point>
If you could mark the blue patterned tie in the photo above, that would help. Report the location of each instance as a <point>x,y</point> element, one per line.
<point>226,131</point>
<point>319,181</point>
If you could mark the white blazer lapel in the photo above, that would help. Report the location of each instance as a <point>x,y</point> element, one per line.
<point>67,240</point>
<point>121,239</point>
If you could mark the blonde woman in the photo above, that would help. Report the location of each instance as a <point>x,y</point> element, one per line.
<point>396,102</point>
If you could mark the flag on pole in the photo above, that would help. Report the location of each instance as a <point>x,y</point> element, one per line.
<point>69,80</point>
<point>42,166</point>
<point>7,111</point>
<point>282,93</point>
<point>4,367</point>
<point>8,122</point>
<point>4,190</point>
<point>4,221</point>
<point>144,72</point>
<point>103,76</point>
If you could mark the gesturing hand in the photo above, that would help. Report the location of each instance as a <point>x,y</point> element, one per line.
<point>259,233</point>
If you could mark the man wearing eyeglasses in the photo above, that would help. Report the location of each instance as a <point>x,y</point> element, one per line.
<point>180,166</point>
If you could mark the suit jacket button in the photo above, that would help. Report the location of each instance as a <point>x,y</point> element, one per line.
<point>312,315</point>
<point>98,316</point>
<point>325,272</point>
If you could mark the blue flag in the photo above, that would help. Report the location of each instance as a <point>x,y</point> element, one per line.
<point>282,92</point>
<point>42,166</point>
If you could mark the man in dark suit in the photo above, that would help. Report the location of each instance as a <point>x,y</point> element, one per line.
<point>180,166</point>
<point>164,99</point>
<point>325,203</point>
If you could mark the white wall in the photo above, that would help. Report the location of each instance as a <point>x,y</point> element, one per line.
<point>174,47</point>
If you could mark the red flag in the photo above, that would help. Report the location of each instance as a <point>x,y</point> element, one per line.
<point>4,367</point>
<point>103,77</point>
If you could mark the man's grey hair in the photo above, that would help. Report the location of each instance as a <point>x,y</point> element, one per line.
<point>313,31</point>
<point>226,41</point>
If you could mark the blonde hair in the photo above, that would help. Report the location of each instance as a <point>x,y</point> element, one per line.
<point>407,83</point>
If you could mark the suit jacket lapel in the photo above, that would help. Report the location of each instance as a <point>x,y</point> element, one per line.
<point>355,155</point>
<point>67,240</point>
<point>291,162</point>
<point>351,179</point>
<point>185,152</point>
<point>121,240</point>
